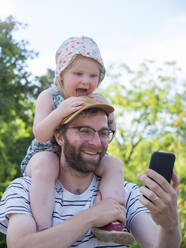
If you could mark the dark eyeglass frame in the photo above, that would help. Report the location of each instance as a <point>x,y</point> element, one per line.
<point>108,137</point>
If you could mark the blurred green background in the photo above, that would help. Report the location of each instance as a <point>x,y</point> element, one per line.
<point>150,104</point>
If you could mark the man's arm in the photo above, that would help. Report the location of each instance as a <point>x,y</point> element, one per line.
<point>22,232</point>
<point>144,230</point>
<point>161,199</point>
<point>22,228</point>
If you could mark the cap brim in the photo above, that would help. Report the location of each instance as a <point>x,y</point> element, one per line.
<point>90,103</point>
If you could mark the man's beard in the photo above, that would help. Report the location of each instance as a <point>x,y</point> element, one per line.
<point>77,162</point>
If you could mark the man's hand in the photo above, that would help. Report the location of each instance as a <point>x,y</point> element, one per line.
<point>160,198</point>
<point>106,211</point>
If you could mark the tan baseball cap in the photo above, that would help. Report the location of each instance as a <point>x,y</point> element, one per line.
<point>88,104</point>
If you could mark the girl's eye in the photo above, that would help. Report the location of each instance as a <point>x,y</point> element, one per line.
<point>78,73</point>
<point>93,75</point>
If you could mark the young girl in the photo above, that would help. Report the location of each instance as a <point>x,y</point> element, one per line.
<point>79,71</point>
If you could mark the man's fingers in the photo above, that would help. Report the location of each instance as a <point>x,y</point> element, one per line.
<point>160,193</point>
<point>175,181</point>
<point>151,184</point>
<point>160,180</point>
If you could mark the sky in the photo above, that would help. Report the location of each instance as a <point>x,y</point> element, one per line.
<point>126,31</point>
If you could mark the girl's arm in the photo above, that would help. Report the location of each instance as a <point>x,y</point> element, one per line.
<point>47,119</point>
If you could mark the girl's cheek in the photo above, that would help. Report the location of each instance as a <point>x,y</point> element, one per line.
<point>96,83</point>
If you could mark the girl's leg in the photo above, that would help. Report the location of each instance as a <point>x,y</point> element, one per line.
<point>112,179</point>
<point>112,185</point>
<point>43,168</point>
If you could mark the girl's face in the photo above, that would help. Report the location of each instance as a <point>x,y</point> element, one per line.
<point>81,78</point>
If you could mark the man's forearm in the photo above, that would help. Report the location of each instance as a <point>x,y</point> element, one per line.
<point>22,227</point>
<point>60,236</point>
<point>169,239</point>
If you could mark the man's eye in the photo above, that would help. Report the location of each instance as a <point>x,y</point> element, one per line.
<point>85,131</point>
<point>104,133</point>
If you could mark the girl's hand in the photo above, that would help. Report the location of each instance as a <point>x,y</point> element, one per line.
<point>99,98</point>
<point>70,105</point>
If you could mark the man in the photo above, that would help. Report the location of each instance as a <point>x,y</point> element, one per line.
<point>83,138</point>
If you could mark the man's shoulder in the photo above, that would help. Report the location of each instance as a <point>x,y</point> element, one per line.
<point>22,180</point>
<point>20,183</point>
<point>130,186</point>
<point>15,200</point>
<point>17,193</point>
<point>131,189</point>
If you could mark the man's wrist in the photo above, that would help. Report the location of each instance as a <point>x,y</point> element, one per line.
<point>171,235</point>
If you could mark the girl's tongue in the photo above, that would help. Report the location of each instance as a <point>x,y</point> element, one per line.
<point>81,92</point>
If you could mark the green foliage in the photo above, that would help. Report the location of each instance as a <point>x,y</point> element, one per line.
<point>18,90</point>
<point>2,240</point>
<point>15,85</point>
<point>151,115</point>
<point>16,109</point>
<point>16,94</point>
<point>45,81</point>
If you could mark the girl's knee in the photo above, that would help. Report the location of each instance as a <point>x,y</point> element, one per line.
<point>112,163</point>
<point>44,165</point>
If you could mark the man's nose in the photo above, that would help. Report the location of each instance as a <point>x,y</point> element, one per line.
<point>96,141</point>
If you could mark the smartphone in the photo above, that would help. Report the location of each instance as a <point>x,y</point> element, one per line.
<point>163,163</point>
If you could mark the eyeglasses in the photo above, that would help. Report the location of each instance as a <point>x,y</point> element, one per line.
<point>88,133</point>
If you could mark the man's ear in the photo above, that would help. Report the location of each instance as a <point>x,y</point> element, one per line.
<point>59,138</point>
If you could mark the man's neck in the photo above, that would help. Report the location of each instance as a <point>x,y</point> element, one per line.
<point>74,181</point>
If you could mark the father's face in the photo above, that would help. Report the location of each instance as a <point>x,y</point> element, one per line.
<point>81,154</point>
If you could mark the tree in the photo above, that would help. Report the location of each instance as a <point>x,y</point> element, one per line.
<point>16,94</point>
<point>18,90</point>
<point>150,107</point>
<point>16,107</point>
<point>16,100</point>
<point>15,85</point>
